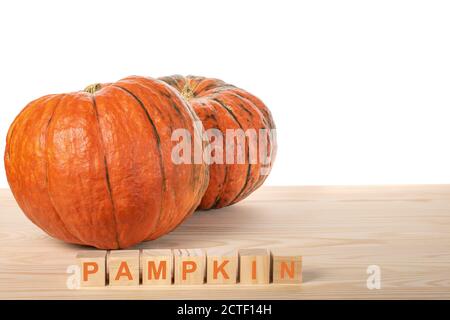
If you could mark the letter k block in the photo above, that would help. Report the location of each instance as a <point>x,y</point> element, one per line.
<point>222,265</point>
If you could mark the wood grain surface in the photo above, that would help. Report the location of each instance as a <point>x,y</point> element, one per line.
<point>405,230</point>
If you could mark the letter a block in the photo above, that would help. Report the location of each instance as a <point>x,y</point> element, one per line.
<point>157,267</point>
<point>92,264</point>
<point>286,266</point>
<point>123,267</point>
<point>255,266</point>
<point>190,266</point>
<point>221,266</point>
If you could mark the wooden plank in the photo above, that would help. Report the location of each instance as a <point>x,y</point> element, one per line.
<point>341,232</point>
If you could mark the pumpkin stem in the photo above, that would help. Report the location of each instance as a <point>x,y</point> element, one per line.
<point>187,92</point>
<point>93,88</point>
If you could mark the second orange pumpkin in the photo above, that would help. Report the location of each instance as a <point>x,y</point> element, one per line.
<point>223,106</point>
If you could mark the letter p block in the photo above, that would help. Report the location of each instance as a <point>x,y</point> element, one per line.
<point>92,266</point>
<point>190,266</point>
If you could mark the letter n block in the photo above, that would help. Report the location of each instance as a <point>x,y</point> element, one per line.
<point>92,265</point>
<point>286,266</point>
<point>190,266</point>
<point>157,266</point>
<point>255,266</point>
<point>221,265</point>
<point>123,267</point>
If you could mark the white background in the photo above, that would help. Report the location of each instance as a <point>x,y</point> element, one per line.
<point>359,90</point>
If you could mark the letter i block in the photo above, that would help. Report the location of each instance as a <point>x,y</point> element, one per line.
<point>92,264</point>
<point>255,266</point>
<point>286,266</point>
<point>190,266</point>
<point>123,267</point>
<point>221,265</point>
<point>157,267</point>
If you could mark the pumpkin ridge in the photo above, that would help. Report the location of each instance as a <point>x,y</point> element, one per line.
<point>267,119</point>
<point>170,81</point>
<point>194,129</point>
<point>247,179</point>
<point>166,91</point>
<point>264,122</point>
<point>242,106</point>
<point>108,182</point>
<point>169,92</point>
<point>195,119</point>
<point>247,153</point>
<point>252,99</point>
<point>154,91</point>
<point>46,171</point>
<point>229,111</point>
<point>186,104</point>
<point>219,196</point>
<point>12,132</point>
<point>212,115</point>
<point>246,107</point>
<point>158,142</point>
<point>225,178</point>
<point>12,128</point>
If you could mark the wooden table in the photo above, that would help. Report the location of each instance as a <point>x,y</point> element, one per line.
<point>404,230</point>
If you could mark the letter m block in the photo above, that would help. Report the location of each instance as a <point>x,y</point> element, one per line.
<point>157,267</point>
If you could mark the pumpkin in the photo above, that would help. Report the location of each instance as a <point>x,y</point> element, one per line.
<point>94,167</point>
<point>223,106</point>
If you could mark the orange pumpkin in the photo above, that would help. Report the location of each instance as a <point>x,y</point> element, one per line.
<point>94,167</point>
<point>222,106</point>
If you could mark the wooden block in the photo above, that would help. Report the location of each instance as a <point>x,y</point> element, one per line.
<point>255,266</point>
<point>190,266</point>
<point>221,265</point>
<point>157,267</point>
<point>92,264</point>
<point>286,266</point>
<point>123,267</point>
